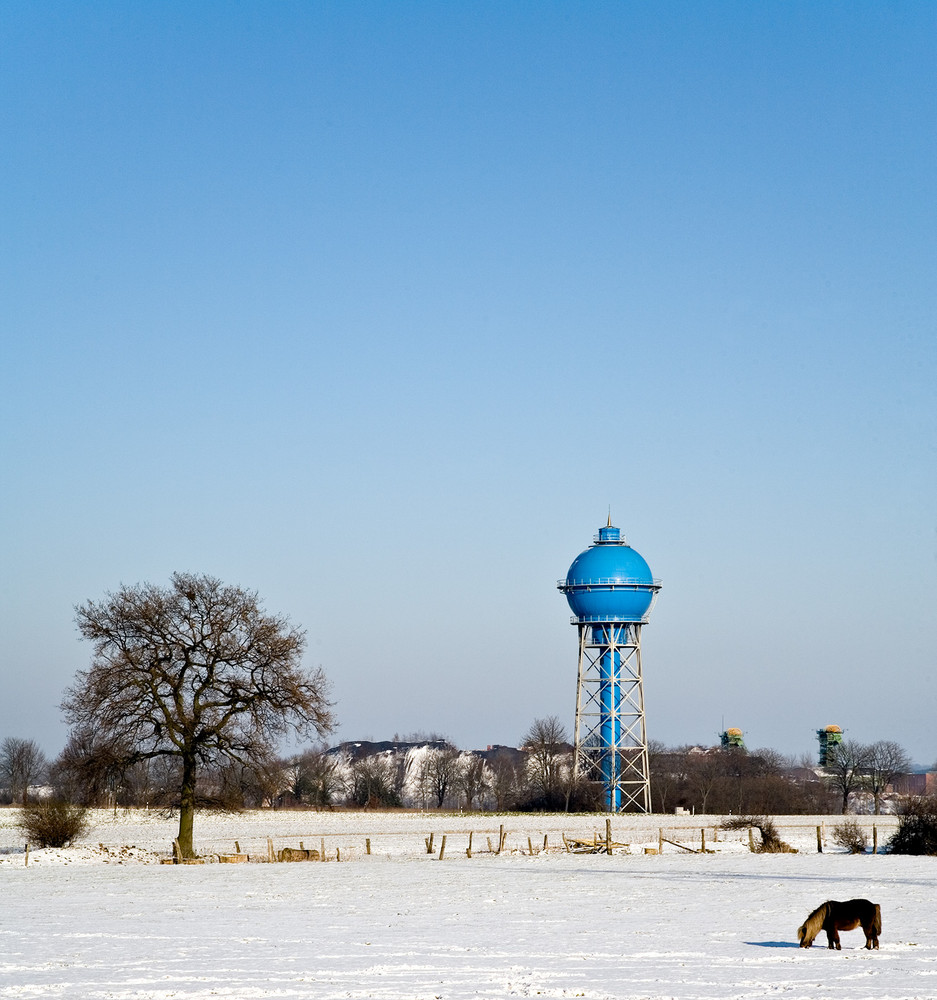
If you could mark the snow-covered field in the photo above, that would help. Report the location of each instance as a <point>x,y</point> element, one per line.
<point>94,921</point>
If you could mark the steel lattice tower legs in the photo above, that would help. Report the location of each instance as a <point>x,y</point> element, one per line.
<point>610,733</point>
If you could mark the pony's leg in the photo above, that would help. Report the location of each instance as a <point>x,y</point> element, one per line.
<point>833,937</point>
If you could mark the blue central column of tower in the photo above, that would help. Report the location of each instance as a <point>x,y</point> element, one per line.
<point>607,637</point>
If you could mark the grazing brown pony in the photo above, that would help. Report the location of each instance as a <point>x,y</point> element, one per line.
<point>834,917</point>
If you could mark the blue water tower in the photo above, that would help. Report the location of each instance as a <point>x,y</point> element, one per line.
<point>610,591</point>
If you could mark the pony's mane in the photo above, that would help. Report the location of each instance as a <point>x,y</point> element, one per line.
<point>812,926</point>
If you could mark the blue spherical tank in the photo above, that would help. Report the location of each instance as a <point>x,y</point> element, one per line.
<point>609,582</point>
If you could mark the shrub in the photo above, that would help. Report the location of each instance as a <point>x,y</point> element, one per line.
<point>53,823</point>
<point>917,828</point>
<point>770,843</point>
<point>851,836</point>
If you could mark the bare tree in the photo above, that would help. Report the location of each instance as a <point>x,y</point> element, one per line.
<point>315,778</point>
<point>91,766</point>
<point>234,785</point>
<point>374,781</point>
<point>472,779</point>
<point>22,763</point>
<point>846,764</point>
<point>667,772</point>
<point>440,772</point>
<point>505,778</point>
<point>886,760</point>
<point>765,785</point>
<point>548,757</point>
<point>703,772</point>
<point>198,672</point>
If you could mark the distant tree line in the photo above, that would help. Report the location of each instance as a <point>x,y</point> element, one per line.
<point>732,780</point>
<point>431,773</point>
<point>424,772</point>
<point>427,771</point>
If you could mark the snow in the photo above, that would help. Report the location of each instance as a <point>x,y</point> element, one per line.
<point>103,919</point>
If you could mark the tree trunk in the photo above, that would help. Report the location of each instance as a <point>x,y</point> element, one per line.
<point>187,807</point>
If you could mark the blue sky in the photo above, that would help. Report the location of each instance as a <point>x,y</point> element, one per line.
<point>377,308</point>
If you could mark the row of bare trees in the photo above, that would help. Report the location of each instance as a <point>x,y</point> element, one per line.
<point>734,780</point>
<point>93,776</point>
<point>91,771</point>
<point>853,767</point>
<point>539,776</point>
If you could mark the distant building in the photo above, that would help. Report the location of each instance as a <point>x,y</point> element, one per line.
<point>732,739</point>
<point>828,738</point>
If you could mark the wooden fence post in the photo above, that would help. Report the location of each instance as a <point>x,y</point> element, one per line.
<point>442,847</point>
<point>322,852</point>
<point>27,855</point>
<point>367,845</point>
<point>545,843</point>
<point>874,839</point>
<point>270,855</point>
<point>608,836</point>
<point>500,838</point>
<point>468,850</point>
<point>751,840</point>
<point>660,840</point>
<point>703,840</point>
<point>819,842</point>
<point>237,848</point>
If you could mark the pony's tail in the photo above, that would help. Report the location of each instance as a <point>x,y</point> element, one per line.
<point>877,922</point>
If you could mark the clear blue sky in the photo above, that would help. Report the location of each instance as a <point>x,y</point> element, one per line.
<point>376,308</point>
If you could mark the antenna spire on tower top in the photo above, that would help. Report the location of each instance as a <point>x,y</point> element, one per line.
<point>609,516</point>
